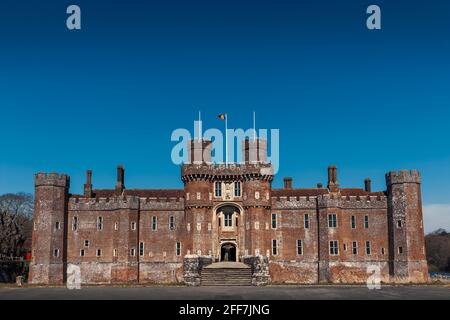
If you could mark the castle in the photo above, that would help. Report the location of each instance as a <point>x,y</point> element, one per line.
<point>229,212</point>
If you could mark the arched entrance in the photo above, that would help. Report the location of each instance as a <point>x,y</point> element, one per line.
<point>228,252</point>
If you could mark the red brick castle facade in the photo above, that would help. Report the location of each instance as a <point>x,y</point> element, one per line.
<point>229,212</point>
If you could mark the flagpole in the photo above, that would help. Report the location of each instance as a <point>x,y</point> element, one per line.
<point>199,125</point>
<point>226,139</point>
<point>254,126</point>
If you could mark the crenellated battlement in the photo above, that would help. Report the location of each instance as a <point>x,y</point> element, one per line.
<point>162,203</point>
<point>113,203</point>
<point>402,176</point>
<point>190,172</point>
<point>352,202</point>
<point>294,202</point>
<point>51,179</point>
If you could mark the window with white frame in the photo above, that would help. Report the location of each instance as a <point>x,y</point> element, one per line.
<point>115,253</point>
<point>141,248</point>
<point>57,225</point>
<point>274,247</point>
<point>74,223</point>
<point>99,252</point>
<point>353,222</point>
<point>334,247</point>
<point>99,223</point>
<point>154,223</point>
<point>306,221</point>
<point>172,223</point>
<point>218,189</point>
<point>354,247</point>
<point>82,253</point>
<point>116,226</point>
<point>368,248</point>
<point>133,225</point>
<point>237,189</point>
<point>56,253</point>
<point>132,252</point>
<point>86,243</point>
<point>366,222</point>
<point>274,220</point>
<point>332,221</point>
<point>228,219</point>
<point>299,247</point>
<point>178,248</point>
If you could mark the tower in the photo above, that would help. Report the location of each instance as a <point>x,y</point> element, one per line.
<point>405,227</point>
<point>49,229</point>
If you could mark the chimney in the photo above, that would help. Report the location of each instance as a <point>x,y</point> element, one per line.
<point>333,184</point>
<point>120,184</point>
<point>368,185</point>
<point>288,183</point>
<point>88,184</point>
<point>319,185</point>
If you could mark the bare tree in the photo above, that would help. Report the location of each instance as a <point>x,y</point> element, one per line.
<point>16,214</point>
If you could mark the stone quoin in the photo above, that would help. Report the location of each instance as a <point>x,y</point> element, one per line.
<point>327,234</point>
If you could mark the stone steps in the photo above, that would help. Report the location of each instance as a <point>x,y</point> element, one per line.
<point>226,277</point>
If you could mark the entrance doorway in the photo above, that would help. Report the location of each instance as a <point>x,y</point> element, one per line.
<point>228,252</point>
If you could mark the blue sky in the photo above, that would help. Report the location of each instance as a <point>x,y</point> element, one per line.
<point>113,92</point>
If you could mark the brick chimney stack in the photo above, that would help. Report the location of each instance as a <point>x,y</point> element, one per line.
<point>368,185</point>
<point>88,184</point>
<point>288,183</point>
<point>333,184</point>
<point>120,184</point>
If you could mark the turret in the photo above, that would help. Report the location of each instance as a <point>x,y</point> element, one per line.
<point>405,227</point>
<point>49,228</point>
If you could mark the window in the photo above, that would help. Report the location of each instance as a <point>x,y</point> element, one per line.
<point>86,243</point>
<point>227,219</point>
<point>237,189</point>
<point>172,223</point>
<point>399,223</point>
<point>334,249</point>
<point>332,223</point>
<point>56,253</point>
<point>368,248</point>
<point>220,222</point>
<point>178,249</point>
<point>133,225</point>
<point>218,189</point>
<point>236,221</point>
<point>345,247</point>
<point>154,223</point>
<point>274,247</point>
<point>82,253</point>
<point>132,252</point>
<point>116,226</point>
<point>99,252</point>
<point>306,221</point>
<point>382,251</point>
<point>366,222</point>
<point>274,220</point>
<point>74,223</point>
<point>400,250</point>
<point>353,222</point>
<point>299,247</point>
<point>99,223</point>
<point>141,248</point>
<point>354,247</point>
<point>57,225</point>
<point>115,252</point>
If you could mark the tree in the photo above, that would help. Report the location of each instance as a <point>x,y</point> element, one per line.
<point>437,246</point>
<point>16,214</point>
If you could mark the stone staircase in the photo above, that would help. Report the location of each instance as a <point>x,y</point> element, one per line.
<point>226,274</point>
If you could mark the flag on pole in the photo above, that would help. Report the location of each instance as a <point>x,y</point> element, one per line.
<point>222,116</point>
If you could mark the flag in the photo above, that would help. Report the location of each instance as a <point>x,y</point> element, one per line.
<point>221,116</point>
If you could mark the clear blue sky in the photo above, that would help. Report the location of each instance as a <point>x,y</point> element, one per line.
<point>112,93</point>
